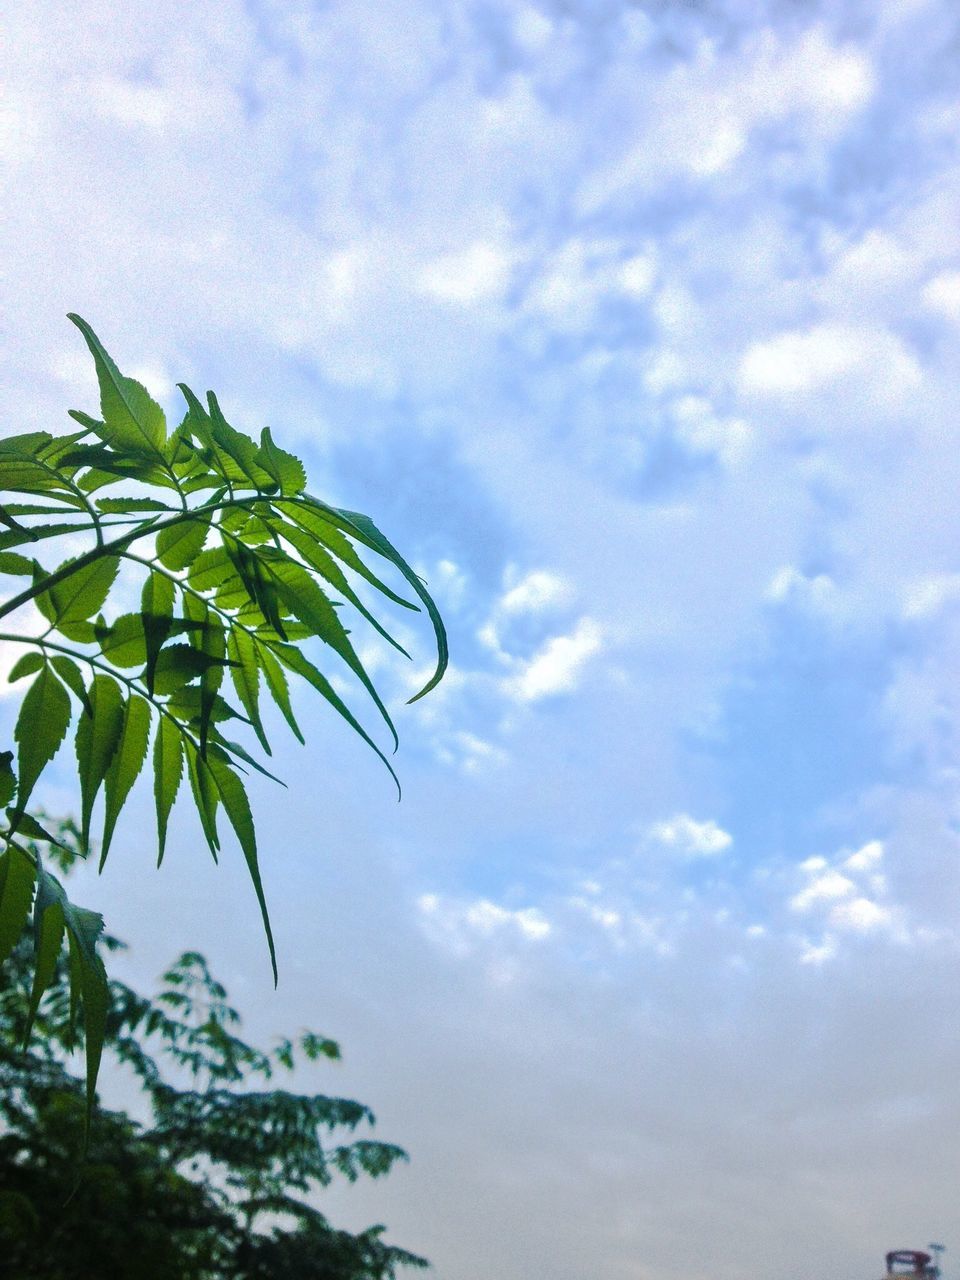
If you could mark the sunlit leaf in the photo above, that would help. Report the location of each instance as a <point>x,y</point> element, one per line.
<point>80,592</point>
<point>41,727</point>
<point>167,772</point>
<point>124,768</point>
<point>132,420</point>
<point>98,734</point>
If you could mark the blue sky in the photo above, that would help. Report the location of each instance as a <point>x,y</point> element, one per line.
<point>636,327</point>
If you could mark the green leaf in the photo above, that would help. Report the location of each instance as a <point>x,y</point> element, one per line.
<point>124,644</point>
<point>28,826</point>
<point>17,876</point>
<point>179,544</point>
<point>308,603</point>
<point>122,506</point>
<point>25,666</point>
<point>41,726</point>
<point>178,664</point>
<point>132,421</point>
<point>284,469</point>
<point>80,593</point>
<point>8,779</point>
<point>167,772</point>
<point>245,674</point>
<point>125,766</point>
<point>371,535</point>
<point>98,735</point>
<point>10,562</point>
<point>156,603</point>
<point>279,691</point>
<point>295,661</point>
<point>69,673</point>
<point>83,929</point>
<point>48,926</point>
<point>318,558</point>
<point>237,808</point>
<point>206,796</point>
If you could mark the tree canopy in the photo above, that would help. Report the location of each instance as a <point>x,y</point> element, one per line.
<point>214,1182</point>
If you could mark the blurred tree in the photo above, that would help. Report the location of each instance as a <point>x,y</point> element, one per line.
<point>212,1184</point>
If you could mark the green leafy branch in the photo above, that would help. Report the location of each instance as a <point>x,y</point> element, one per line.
<point>239,567</point>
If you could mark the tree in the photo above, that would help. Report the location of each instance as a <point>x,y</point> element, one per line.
<point>236,565</point>
<point>212,1186</point>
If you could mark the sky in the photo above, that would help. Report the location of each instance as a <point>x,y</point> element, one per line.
<point>636,326</point>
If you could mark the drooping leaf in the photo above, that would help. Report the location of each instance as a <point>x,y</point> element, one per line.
<point>48,925</point>
<point>295,661</point>
<point>80,592</point>
<point>132,421</point>
<point>125,766</point>
<point>178,664</point>
<point>41,727</point>
<point>98,735</point>
<point>167,772</point>
<point>28,826</point>
<point>372,536</point>
<point>83,929</point>
<point>279,690</point>
<point>17,876</point>
<point>70,674</point>
<point>206,796</point>
<point>245,674</point>
<point>237,808</point>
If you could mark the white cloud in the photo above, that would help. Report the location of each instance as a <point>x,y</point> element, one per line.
<point>942,294</point>
<point>691,838</point>
<point>458,922</point>
<point>860,915</point>
<point>824,887</point>
<point>925,597</point>
<point>478,273</point>
<point>865,858</point>
<point>799,362</point>
<point>556,667</point>
<point>535,592</point>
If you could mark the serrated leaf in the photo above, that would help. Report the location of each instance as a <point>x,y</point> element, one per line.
<point>124,643</point>
<point>237,446</point>
<point>8,779</point>
<point>179,544</point>
<point>284,469</point>
<point>70,674</point>
<point>48,926</point>
<point>28,826</point>
<point>12,563</point>
<point>237,808</point>
<point>80,593</point>
<point>245,674</point>
<point>98,735</point>
<point>319,559</point>
<point>307,602</point>
<point>167,772</point>
<point>25,666</point>
<point>125,766</point>
<point>295,661</point>
<point>178,664</point>
<point>206,797</point>
<point>41,726</point>
<point>17,876</point>
<point>156,603</point>
<point>372,536</point>
<point>279,690</point>
<point>122,506</point>
<point>132,421</point>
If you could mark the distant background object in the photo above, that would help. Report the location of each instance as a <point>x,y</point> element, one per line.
<point>911,1262</point>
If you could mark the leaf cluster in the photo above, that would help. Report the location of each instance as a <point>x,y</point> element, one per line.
<point>238,573</point>
<point>213,1186</point>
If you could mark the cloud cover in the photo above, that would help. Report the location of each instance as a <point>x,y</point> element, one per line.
<point>638,328</point>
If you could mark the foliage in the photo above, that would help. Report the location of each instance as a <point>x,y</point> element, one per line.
<point>236,567</point>
<point>213,1186</point>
